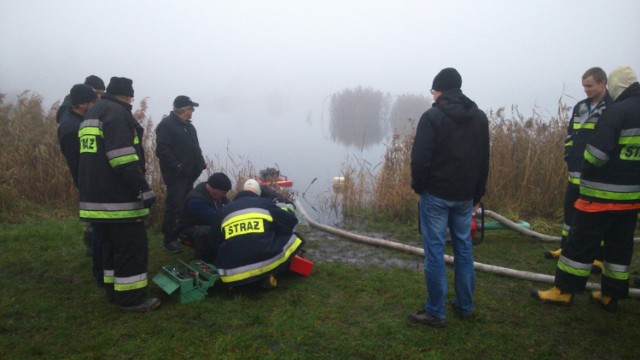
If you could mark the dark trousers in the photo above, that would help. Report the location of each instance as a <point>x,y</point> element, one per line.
<point>177,190</point>
<point>587,232</point>
<point>124,247</point>
<point>96,254</point>
<point>206,241</point>
<point>571,195</point>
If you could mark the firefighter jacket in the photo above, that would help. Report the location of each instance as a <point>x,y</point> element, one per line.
<point>199,208</point>
<point>178,149</point>
<point>68,138</point>
<point>611,171</point>
<point>111,173</point>
<point>579,131</point>
<point>450,154</point>
<point>258,239</point>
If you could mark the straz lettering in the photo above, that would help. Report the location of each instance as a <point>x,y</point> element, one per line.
<point>244,227</point>
<point>630,152</point>
<point>88,144</point>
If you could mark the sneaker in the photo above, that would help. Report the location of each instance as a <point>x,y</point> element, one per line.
<point>553,296</point>
<point>147,305</point>
<point>597,267</point>
<point>173,247</point>
<point>608,303</point>
<point>423,317</point>
<point>552,254</point>
<point>456,308</point>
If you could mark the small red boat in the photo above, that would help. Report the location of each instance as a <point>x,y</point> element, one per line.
<point>272,177</point>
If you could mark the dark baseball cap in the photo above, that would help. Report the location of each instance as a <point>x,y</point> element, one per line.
<point>184,101</point>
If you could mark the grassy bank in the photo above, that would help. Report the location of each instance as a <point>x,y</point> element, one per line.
<point>50,308</point>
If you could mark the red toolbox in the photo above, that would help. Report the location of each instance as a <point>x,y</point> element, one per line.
<point>300,265</point>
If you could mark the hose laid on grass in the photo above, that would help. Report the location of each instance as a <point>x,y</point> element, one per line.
<point>528,232</point>
<point>525,275</point>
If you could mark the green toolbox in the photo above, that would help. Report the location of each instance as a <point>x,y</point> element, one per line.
<point>187,282</point>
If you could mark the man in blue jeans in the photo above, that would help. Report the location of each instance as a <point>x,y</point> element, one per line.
<point>449,169</point>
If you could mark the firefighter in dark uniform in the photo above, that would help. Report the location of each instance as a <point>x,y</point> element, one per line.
<point>198,218</point>
<point>114,194</point>
<point>259,238</point>
<point>607,207</point>
<point>580,129</point>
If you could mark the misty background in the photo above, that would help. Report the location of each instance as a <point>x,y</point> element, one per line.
<point>265,72</point>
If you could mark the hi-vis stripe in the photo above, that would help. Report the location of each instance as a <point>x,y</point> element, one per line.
<point>574,177</point>
<point>573,267</point>
<point>122,156</point>
<point>89,210</point>
<point>90,127</point>
<point>609,191</point>
<point>259,268</point>
<point>108,277</point>
<point>615,271</point>
<point>130,282</point>
<point>629,136</point>
<point>595,156</point>
<point>250,220</point>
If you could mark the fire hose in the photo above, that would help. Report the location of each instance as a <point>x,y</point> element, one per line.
<point>519,274</point>
<point>524,231</point>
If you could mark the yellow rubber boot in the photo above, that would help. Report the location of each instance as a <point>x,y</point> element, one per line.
<point>553,296</point>
<point>608,303</point>
<point>552,254</point>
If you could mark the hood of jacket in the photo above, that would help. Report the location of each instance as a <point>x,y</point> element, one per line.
<point>456,105</point>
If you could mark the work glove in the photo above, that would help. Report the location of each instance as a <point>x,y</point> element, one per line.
<point>148,197</point>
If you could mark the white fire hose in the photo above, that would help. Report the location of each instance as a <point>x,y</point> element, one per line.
<point>525,275</point>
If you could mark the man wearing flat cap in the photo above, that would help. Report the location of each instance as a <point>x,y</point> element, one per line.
<point>181,163</point>
<point>115,196</point>
<point>449,169</point>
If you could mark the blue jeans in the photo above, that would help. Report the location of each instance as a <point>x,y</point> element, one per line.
<point>435,216</point>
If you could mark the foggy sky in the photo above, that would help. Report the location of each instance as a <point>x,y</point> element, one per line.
<point>263,71</point>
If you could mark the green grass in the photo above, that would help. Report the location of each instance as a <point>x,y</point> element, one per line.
<point>50,308</point>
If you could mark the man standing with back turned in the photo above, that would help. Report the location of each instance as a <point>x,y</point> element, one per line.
<point>449,169</point>
<point>181,163</point>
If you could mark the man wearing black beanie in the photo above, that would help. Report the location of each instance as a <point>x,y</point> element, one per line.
<point>115,196</point>
<point>449,169</point>
<point>95,82</point>
<point>81,98</point>
<point>198,217</point>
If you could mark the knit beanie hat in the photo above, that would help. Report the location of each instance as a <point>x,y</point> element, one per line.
<point>219,181</point>
<point>81,93</point>
<point>95,82</point>
<point>447,79</point>
<point>253,186</point>
<point>120,86</point>
<point>620,79</point>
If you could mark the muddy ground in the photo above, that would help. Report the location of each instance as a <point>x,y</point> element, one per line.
<point>323,247</point>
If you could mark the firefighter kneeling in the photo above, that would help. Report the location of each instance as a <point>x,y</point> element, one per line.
<point>259,239</point>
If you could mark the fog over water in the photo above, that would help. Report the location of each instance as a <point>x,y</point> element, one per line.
<point>264,72</point>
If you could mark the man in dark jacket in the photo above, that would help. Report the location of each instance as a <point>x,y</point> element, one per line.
<point>259,239</point>
<point>199,215</point>
<point>115,196</point>
<point>181,163</point>
<point>449,169</point>
<point>607,208</point>
<point>81,98</point>
<point>580,129</point>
